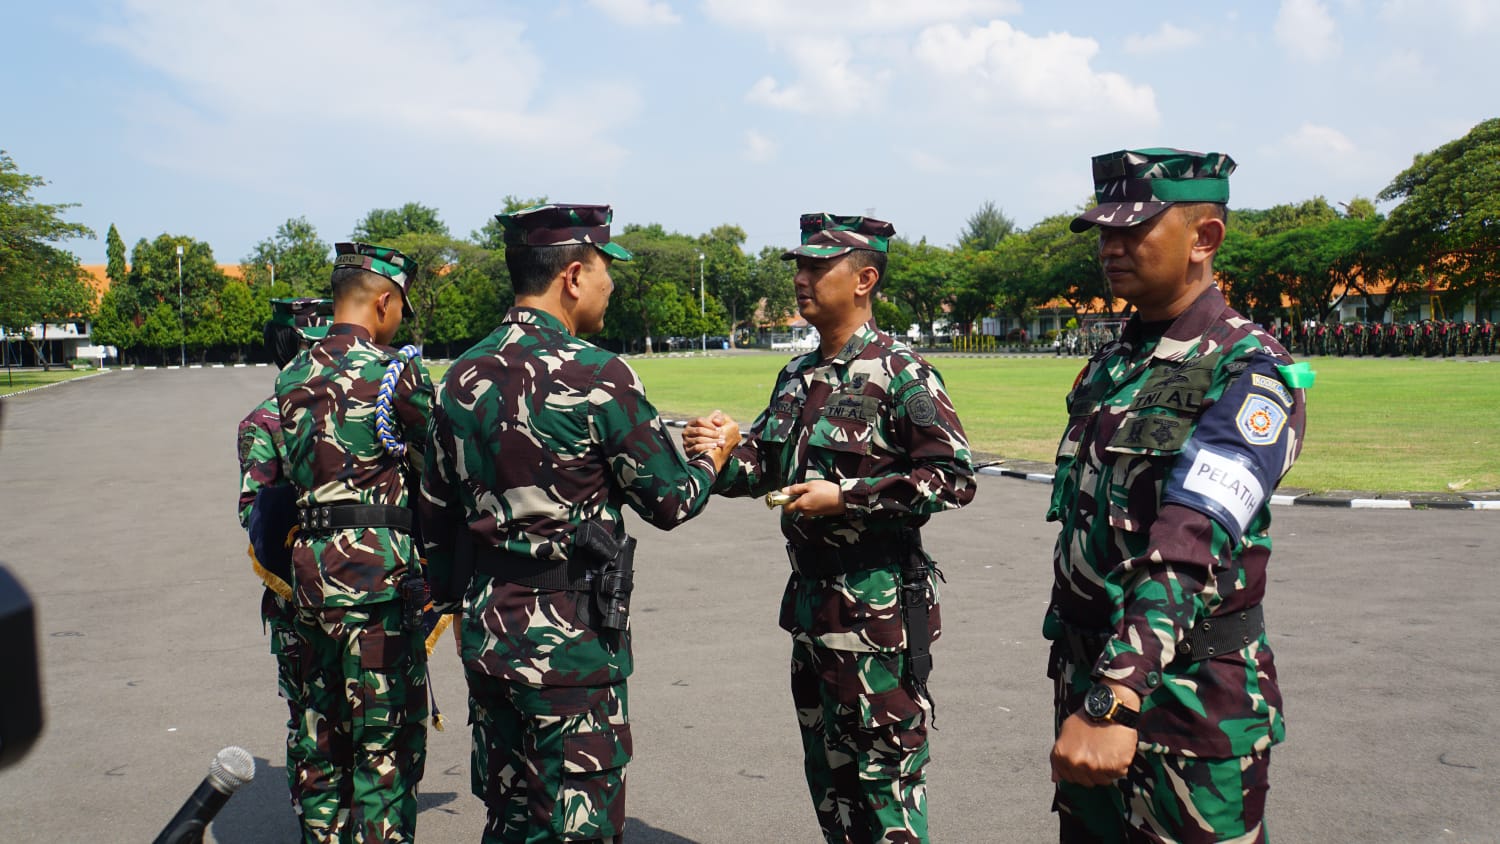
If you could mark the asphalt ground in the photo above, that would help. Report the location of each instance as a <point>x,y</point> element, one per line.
<point>116,510</point>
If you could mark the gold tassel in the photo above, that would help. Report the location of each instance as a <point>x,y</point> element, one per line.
<point>272,582</point>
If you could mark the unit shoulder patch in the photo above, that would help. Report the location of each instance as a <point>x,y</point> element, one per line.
<point>1271,385</point>
<point>1260,420</point>
<point>920,408</point>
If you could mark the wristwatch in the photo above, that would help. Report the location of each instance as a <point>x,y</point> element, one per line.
<point>1100,704</point>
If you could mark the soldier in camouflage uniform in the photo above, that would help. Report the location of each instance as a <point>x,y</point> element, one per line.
<point>1178,432</point>
<point>361,736</point>
<point>294,323</point>
<point>536,433</point>
<point>862,432</point>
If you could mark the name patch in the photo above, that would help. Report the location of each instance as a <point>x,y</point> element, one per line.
<point>1272,386</point>
<point>862,408</point>
<point>1260,420</point>
<point>1228,483</point>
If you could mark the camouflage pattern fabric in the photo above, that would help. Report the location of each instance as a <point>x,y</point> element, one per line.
<point>562,225</point>
<point>327,401</point>
<point>536,431</point>
<point>381,260</point>
<point>549,761</point>
<point>361,740</point>
<point>1140,561</point>
<point>875,419</point>
<point>258,448</point>
<point>362,734</point>
<point>864,741</point>
<point>1132,186</point>
<point>830,235</point>
<point>1165,796</point>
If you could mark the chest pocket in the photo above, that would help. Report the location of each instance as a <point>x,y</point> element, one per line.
<point>1159,421</point>
<point>846,426</point>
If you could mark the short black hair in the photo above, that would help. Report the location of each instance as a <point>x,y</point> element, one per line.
<point>283,342</point>
<point>346,281</point>
<point>860,258</point>
<point>532,268</point>
<point>1200,210</point>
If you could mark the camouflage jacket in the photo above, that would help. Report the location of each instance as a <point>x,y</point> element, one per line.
<point>876,420</point>
<point>259,441</point>
<point>1164,477</point>
<point>327,401</point>
<point>536,431</point>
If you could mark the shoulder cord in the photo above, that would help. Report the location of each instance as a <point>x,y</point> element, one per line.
<point>383,426</point>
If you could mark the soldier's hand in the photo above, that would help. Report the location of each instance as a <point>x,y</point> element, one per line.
<point>1090,753</point>
<point>705,433</point>
<point>816,498</point>
<point>729,437</point>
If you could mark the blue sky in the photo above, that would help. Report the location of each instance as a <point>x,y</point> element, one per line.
<point>221,120</point>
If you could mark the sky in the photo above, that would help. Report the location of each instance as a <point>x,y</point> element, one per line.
<point>222,120</point>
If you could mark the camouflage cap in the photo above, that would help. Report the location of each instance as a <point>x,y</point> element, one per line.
<point>831,235</point>
<point>562,225</point>
<point>310,317</point>
<point>380,260</point>
<point>1134,185</point>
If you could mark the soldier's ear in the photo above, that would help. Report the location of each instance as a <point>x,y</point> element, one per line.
<point>572,276</point>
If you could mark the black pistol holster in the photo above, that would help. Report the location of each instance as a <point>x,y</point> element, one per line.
<point>606,604</point>
<point>916,600</point>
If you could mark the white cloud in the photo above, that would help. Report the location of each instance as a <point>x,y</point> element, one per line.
<point>1462,16</point>
<point>1050,74</point>
<point>828,81</point>
<point>925,162</point>
<point>759,148</point>
<point>638,12</point>
<point>368,74</point>
<point>1319,141</point>
<point>1306,30</point>
<point>783,16</point>
<point>1165,39</point>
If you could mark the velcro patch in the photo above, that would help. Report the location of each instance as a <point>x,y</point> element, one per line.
<point>247,442</point>
<point>1260,420</point>
<point>864,408</point>
<point>1159,433</point>
<point>920,408</point>
<point>1271,385</point>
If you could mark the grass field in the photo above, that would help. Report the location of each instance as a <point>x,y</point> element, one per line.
<point>1390,424</point>
<point>25,380</point>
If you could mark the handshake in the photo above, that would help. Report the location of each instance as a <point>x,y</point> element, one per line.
<point>718,434</point>
<point>714,433</point>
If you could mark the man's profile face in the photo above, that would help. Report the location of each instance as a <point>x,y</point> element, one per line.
<point>824,288</point>
<point>597,284</point>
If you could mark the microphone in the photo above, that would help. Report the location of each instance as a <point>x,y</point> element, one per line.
<point>232,768</point>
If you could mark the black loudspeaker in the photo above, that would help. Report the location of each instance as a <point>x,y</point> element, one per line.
<point>20,682</point>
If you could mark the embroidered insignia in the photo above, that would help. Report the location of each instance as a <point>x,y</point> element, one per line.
<point>1260,420</point>
<point>920,408</point>
<point>1271,385</point>
<point>857,383</point>
<point>247,442</point>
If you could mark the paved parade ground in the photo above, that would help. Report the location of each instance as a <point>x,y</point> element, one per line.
<point>117,499</point>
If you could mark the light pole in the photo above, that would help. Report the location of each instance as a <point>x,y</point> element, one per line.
<point>704,336</point>
<point>181,325</point>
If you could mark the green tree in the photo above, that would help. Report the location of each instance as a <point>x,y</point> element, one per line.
<point>161,331</point>
<point>729,278</point>
<point>1446,225</point>
<point>639,313</point>
<point>920,276</point>
<point>435,254</point>
<point>154,280</point>
<point>242,316</point>
<point>773,277</point>
<point>38,282</point>
<point>115,268</point>
<point>295,257</point>
<point>114,324</point>
<point>985,229</point>
<point>386,224</point>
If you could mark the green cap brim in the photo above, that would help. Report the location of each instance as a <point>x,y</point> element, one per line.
<point>616,251</point>
<point>313,333</point>
<point>816,252</point>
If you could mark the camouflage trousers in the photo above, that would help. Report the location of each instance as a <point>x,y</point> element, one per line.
<point>549,761</point>
<point>279,618</point>
<point>361,737</point>
<point>864,745</point>
<point>1163,797</point>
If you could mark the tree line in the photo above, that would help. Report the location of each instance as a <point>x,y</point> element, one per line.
<point>1289,263</point>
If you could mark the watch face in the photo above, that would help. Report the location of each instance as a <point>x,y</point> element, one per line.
<point>1099,701</point>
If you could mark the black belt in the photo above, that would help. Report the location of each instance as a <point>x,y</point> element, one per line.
<point>341,516</point>
<point>823,562</point>
<point>574,576</point>
<point>1223,634</point>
